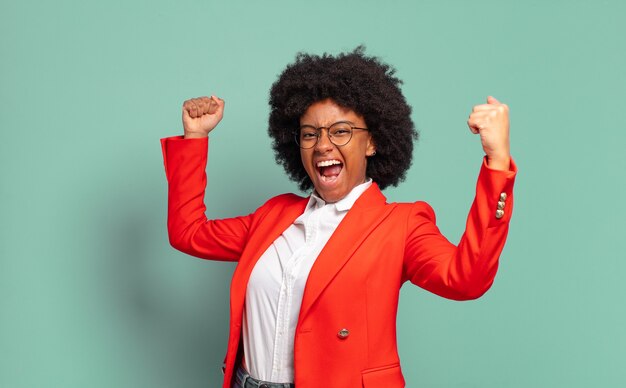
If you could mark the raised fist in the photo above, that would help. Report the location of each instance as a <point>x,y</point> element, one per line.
<point>201,115</point>
<point>491,122</point>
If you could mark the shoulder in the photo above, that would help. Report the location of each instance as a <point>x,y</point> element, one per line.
<point>415,209</point>
<point>374,198</point>
<point>284,199</point>
<point>281,201</point>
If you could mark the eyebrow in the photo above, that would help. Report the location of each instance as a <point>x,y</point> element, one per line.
<point>326,126</point>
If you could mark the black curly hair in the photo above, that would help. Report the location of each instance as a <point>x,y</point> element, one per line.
<point>352,80</point>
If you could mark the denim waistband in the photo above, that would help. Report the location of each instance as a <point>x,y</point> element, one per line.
<point>244,380</point>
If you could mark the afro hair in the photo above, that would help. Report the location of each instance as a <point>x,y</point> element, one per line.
<point>355,81</point>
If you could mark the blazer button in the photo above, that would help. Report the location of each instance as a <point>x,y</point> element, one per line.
<point>499,214</point>
<point>501,205</point>
<point>502,197</point>
<point>343,333</point>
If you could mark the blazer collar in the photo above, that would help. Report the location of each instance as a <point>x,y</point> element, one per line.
<point>367,213</point>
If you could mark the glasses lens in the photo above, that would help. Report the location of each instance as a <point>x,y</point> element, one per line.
<point>340,133</point>
<point>307,137</point>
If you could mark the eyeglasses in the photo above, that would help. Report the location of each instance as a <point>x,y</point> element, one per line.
<point>339,134</point>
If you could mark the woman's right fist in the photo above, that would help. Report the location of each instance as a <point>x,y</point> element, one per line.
<point>201,115</point>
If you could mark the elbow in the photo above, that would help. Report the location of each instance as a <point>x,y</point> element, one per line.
<point>472,283</point>
<point>474,289</point>
<point>180,235</point>
<point>176,239</point>
<point>459,289</point>
<point>175,242</point>
<point>473,293</point>
<point>468,286</point>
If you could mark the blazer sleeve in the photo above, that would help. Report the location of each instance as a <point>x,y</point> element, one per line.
<point>465,271</point>
<point>188,228</point>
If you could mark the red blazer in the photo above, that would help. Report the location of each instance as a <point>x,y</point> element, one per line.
<point>346,333</point>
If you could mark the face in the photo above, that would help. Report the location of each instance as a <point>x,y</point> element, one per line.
<point>334,170</point>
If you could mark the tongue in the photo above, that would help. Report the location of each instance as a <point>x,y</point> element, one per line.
<point>331,170</point>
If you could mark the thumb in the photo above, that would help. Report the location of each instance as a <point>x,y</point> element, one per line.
<point>215,104</point>
<point>492,100</point>
<point>218,101</point>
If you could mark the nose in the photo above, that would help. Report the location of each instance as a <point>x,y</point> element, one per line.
<point>323,142</point>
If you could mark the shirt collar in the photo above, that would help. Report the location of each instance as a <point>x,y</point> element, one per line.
<point>346,202</point>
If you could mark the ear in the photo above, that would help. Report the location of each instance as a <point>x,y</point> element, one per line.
<point>371,147</point>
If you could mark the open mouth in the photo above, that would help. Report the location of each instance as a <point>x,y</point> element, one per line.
<point>329,169</point>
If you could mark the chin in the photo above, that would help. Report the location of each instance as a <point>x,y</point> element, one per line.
<point>331,196</point>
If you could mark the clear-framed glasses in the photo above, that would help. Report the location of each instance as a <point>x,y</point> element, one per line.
<point>339,134</point>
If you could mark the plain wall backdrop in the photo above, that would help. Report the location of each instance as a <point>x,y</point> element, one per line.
<point>91,293</point>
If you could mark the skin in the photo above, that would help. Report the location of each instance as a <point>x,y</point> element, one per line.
<point>491,121</point>
<point>353,155</point>
<point>201,115</point>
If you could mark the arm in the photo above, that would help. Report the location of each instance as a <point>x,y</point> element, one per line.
<point>185,159</point>
<point>188,228</point>
<point>465,271</point>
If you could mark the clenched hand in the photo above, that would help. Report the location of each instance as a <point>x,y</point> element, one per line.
<point>201,115</point>
<point>491,122</point>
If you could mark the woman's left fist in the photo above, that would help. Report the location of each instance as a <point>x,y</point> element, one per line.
<point>491,122</point>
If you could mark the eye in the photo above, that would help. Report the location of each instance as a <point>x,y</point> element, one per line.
<point>341,129</point>
<point>308,134</point>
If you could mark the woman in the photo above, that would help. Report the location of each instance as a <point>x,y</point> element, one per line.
<point>315,292</point>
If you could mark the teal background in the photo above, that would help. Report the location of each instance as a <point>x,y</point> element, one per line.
<point>91,293</point>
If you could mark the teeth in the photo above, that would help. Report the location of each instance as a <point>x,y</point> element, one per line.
<point>326,163</point>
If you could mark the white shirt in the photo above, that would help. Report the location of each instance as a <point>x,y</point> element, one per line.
<point>276,285</point>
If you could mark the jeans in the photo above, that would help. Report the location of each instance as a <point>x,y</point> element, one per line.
<point>243,380</point>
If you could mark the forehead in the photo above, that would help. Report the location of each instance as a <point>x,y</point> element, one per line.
<point>326,112</point>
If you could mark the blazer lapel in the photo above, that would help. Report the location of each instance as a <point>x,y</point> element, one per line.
<point>278,219</point>
<point>364,216</point>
